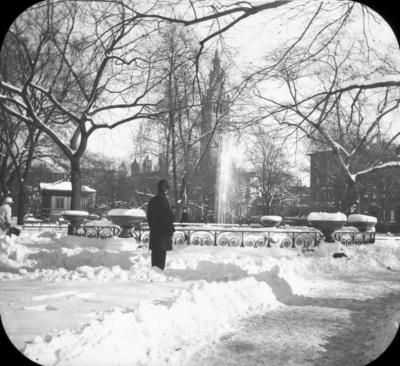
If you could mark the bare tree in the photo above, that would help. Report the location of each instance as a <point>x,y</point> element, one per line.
<point>344,100</point>
<point>93,64</point>
<point>88,68</point>
<point>182,137</point>
<point>272,178</point>
<point>19,142</point>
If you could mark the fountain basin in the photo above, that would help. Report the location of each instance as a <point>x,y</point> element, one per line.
<point>126,219</point>
<point>75,216</point>
<point>362,222</point>
<point>93,217</point>
<point>327,223</point>
<point>270,221</point>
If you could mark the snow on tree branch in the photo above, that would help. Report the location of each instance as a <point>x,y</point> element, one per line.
<point>390,164</point>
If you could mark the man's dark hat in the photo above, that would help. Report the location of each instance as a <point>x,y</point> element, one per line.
<point>162,184</point>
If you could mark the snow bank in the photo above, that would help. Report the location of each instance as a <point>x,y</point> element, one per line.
<point>156,334</point>
<point>55,257</point>
<point>226,284</point>
<point>325,249</point>
<point>13,256</point>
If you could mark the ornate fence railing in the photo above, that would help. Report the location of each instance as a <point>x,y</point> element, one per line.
<point>53,226</point>
<point>230,235</point>
<point>91,231</point>
<point>354,237</point>
<point>306,239</point>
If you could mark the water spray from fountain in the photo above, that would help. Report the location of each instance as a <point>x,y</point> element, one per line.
<point>224,181</point>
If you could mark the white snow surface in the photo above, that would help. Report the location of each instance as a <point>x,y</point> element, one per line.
<point>318,216</point>
<point>136,212</point>
<point>157,334</point>
<point>203,294</point>
<point>75,212</point>
<point>361,218</point>
<point>272,217</point>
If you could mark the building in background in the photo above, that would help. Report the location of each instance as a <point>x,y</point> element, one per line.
<point>56,197</point>
<point>379,193</point>
<point>214,114</point>
<point>326,185</point>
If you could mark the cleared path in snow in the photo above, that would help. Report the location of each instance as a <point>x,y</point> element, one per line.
<point>310,331</point>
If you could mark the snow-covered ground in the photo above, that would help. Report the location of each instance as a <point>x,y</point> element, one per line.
<point>78,301</point>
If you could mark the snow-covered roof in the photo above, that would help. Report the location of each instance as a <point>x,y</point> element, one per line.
<point>63,185</point>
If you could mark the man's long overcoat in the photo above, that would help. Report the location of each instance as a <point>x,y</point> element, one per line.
<point>160,219</point>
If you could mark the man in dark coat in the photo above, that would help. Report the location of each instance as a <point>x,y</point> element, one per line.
<point>160,219</point>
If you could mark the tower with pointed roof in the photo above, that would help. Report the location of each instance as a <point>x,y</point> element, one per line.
<point>213,115</point>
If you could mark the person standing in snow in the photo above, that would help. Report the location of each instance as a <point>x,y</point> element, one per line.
<point>5,217</point>
<point>160,219</point>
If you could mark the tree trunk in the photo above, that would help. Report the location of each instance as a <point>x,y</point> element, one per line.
<point>351,201</point>
<point>3,177</point>
<point>22,203</point>
<point>76,182</point>
<point>182,198</point>
<point>175,177</point>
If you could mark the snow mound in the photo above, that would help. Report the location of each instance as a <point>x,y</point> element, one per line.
<point>57,258</point>
<point>154,334</point>
<point>13,256</point>
<point>325,249</point>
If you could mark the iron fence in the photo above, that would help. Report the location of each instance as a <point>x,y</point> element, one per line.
<point>229,236</point>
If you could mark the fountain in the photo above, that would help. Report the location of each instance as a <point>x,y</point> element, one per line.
<point>362,222</point>
<point>270,221</point>
<point>224,180</point>
<point>327,223</point>
<point>75,219</point>
<point>126,219</point>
